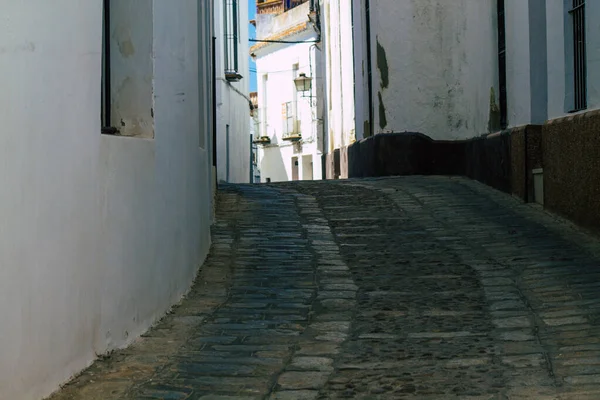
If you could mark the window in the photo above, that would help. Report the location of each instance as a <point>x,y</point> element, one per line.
<point>577,13</point>
<point>127,103</point>
<point>265,81</point>
<point>106,87</point>
<point>295,69</point>
<point>288,118</point>
<point>232,38</point>
<point>502,64</point>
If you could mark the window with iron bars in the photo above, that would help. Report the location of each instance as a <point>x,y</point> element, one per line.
<point>106,104</point>
<point>577,14</point>
<point>232,39</point>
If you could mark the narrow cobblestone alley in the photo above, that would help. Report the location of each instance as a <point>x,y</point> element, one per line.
<point>396,288</point>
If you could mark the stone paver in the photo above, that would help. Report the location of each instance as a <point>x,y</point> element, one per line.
<point>396,288</point>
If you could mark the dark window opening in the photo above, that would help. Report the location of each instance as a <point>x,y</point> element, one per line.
<point>579,56</point>
<point>106,78</point>
<point>502,64</point>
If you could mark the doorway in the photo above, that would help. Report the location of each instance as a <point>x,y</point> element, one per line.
<point>307,168</point>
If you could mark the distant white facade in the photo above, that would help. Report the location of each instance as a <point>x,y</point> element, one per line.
<point>100,233</point>
<point>290,119</point>
<point>232,97</point>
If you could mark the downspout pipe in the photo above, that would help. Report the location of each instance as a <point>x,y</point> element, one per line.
<point>369,65</point>
<point>214,106</point>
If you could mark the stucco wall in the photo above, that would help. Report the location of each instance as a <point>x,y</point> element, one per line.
<point>435,64</point>
<point>233,109</point>
<point>518,83</point>
<point>99,234</point>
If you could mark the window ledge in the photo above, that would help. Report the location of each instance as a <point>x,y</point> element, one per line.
<point>109,130</point>
<point>233,77</point>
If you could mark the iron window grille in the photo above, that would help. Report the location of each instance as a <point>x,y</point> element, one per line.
<point>106,93</point>
<point>232,38</point>
<point>579,55</point>
<point>502,64</point>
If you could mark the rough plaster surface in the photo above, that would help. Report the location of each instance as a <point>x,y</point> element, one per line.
<point>99,234</point>
<point>441,59</point>
<point>518,84</point>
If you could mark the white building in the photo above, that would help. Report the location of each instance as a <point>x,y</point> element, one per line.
<point>424,66</point>
<point>516,83</point>
<point>291,139</point>
<point>232,91</point>
<point>100,233</point>
<point>436,66</point>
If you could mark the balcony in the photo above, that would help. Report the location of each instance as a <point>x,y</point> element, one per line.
<point>263,140</point>
<point>292,137</point>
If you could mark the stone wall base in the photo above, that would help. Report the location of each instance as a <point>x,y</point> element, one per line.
<point>556,164</point>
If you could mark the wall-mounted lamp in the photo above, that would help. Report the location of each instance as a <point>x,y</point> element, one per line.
<point>303,83</point>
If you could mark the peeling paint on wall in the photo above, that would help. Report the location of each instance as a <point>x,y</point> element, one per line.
<point>494,122</point>
<point>126,48</point>
<point>382,117</point>
<point>382,64</point>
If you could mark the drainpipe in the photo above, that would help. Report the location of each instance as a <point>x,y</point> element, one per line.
<point>526,140</point>
<point>369,65</point>
<point>251,159</point>
<point>214,107</point>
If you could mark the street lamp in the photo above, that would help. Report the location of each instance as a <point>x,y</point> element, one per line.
<point>303,83</point>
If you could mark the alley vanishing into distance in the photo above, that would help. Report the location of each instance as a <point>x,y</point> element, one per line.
<point>396,288</point>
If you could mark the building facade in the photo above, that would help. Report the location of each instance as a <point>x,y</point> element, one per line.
<point>106,192</point>
<point>504,91</point>
<point>425,66</point>
<point>232,91</point>
<point>290,131</point>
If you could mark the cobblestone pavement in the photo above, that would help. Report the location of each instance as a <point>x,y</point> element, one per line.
<point>397,288</point>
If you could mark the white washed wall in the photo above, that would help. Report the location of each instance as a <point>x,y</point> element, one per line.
<point>99,234</point>
<point>233,154</point>
<point>441,61</point>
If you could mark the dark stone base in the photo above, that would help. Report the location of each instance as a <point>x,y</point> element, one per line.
<point>404,154</point>
<point>567,149</point>
<point>571,160</point>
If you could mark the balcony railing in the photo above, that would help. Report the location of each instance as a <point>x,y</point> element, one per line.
<point>277,6</point>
